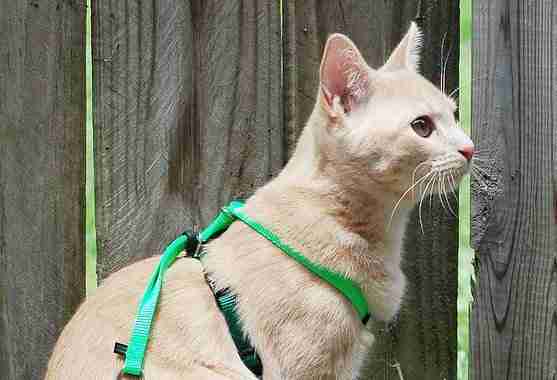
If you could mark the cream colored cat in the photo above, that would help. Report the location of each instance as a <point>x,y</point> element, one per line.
<point>373,135</point>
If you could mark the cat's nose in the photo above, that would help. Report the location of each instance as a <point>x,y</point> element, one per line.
<point>467,151</point>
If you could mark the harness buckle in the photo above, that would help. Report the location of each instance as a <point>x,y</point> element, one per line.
<point>193,245</point>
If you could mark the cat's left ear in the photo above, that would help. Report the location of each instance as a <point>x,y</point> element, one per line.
<point>407,54</point>
<point>345,77</point>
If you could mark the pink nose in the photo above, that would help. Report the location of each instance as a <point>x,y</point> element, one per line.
<point>467,151</point>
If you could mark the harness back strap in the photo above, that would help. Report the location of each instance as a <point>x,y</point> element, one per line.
<point>135,351</point>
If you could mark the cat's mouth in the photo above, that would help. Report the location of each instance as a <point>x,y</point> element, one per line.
<point>439,177</point>
<point>436,179</point>
<point>450,167</point>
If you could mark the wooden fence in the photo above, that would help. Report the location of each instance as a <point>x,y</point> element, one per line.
<point>42,178</point>
<point>197,102</point>
<point>514,318</point>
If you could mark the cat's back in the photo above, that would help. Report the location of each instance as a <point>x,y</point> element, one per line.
<point>189,336</point>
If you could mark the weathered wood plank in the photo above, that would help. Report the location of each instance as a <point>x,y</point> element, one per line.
<point>514,316</point>
<point>423,339</point>
<point>42,177</point>
<point>188,115</point>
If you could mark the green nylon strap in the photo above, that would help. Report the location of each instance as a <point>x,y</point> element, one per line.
<point>217,226</point>
<point>135,352</point>
<point>226,301</point>
<point>349,288</point>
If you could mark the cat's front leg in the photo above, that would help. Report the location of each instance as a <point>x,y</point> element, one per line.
<point>318,362</point>
<point>361,352</point>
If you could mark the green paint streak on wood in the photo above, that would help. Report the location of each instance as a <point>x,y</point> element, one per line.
<point>465,252</point>
<point>90,233</point>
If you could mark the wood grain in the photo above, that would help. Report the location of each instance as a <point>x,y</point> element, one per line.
<point>423,339</point>
<point>42,177</point>
<point>514,316</point>
<point>188,114</point>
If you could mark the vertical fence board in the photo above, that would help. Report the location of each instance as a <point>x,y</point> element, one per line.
<point>42,177</point>
<point>514,315</point>
<point>188,114</point>
<point>423,339</point>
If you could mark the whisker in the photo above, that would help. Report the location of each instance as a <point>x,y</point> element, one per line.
<point>439,192</point>
<point>466,85</point>
<point>431,196</point>
<point>442,79</point>
<point>403,195</point>
<point>453,185</point>
<point>421,201</point>
<point>445,64</point>
<point>415,170</point>
<point>483,160</point>
<point>450,181</point>
<point>445,176</point>
<point>483,154</point>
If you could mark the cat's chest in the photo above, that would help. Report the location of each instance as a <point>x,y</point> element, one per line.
<point>382,280</point>
<point>384,290</point>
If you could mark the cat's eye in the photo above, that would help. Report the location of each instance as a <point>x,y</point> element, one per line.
<point>423,126</point>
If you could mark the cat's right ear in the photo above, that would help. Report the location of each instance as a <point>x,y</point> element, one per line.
<point>345,78</point>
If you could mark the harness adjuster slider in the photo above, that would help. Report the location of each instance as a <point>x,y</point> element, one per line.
<point>192,247</point>
<point>120,349</point>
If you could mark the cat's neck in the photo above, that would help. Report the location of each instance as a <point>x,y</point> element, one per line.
<point>345,230</point>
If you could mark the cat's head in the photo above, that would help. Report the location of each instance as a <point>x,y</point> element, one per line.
<point>389,126</point>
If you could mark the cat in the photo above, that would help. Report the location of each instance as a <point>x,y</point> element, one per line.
<point>377,142</point>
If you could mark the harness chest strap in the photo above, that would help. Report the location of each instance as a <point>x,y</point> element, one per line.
<point>135,351</point>
<point>349,288</point>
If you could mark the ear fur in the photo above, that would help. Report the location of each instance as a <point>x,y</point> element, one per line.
<point>407,54</point>
<point>344,76</point>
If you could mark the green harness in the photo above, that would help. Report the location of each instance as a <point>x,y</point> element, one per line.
<point>134,352</point>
